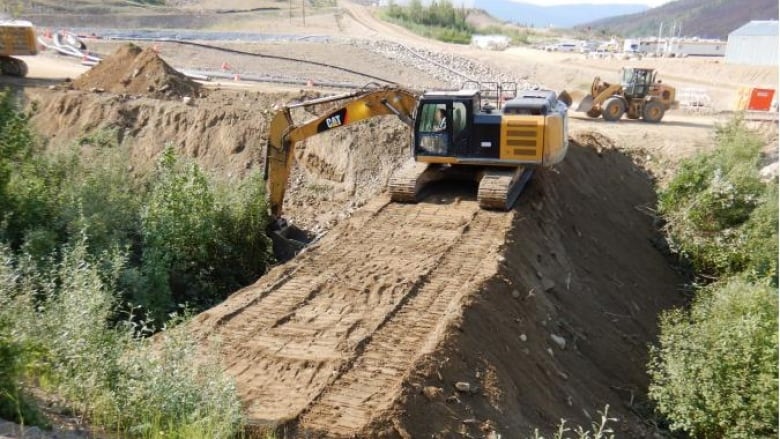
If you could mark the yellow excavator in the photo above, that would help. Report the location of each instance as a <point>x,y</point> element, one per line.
<point>638,94</point>
<point>17,37</point>
<point>492,132</point>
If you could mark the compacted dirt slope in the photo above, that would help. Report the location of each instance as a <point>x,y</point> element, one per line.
<point>544,311</point>
<point>562,328</point>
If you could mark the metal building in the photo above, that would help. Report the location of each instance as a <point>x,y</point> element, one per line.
<point>753,44</point>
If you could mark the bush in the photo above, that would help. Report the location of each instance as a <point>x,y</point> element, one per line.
<point>197,247</point>
<point>188,239</point>
<point>15,146</point>
<point>178,238</point>
<point>138,387</point>
<point>715,372</point>
<point>718,210</point>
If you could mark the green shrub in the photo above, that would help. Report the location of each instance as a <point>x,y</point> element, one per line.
<point>198,247</point>
<point>715,372</point>
<point>718,209</point>
<point>15,146</point>
<point>138,387</point>
<point>189,241</point>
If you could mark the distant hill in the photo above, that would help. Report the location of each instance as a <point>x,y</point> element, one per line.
<point>700,18</point>
<point>556,16</point>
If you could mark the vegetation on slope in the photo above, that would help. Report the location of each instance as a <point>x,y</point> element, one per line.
<point>714,372</point>
<point>93,261</point>
<point>439,20</point>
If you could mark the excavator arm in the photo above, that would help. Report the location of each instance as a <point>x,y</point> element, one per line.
<point>284,133</point>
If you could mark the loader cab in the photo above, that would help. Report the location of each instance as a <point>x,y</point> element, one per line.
<point>443,124</point>
<point>637,82</point>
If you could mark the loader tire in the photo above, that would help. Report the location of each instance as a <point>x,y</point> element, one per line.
<point>13,67</point>
<point>653,112</point>
<point>613,109</point>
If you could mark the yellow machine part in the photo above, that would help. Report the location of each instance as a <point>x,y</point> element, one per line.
<point>522,138</point>
<point>17,38</point>
<point>535,140</point>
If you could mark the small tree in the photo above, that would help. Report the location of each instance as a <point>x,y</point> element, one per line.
<point>714,374</point>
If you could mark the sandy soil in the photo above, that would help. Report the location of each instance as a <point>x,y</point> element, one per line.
<point>545,311</point>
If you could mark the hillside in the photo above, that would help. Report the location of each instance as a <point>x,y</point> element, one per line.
<point>701,18</point>
<point>555,16</point>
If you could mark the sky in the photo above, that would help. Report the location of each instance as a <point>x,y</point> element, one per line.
<point>651,3</point>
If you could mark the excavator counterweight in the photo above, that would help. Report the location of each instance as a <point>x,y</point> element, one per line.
<point>17,37</point>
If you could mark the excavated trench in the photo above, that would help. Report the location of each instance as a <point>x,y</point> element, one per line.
<point>542,312</point>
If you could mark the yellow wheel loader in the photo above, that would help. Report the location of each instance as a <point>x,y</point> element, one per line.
<point>638,95</point>
<point>17,37</point>
<point>494,133</point>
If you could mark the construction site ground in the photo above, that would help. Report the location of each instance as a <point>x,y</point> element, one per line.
<point>435,319</point>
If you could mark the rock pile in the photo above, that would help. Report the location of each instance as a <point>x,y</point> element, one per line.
<point>449,68</point>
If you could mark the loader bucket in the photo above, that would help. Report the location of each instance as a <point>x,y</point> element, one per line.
<point>585,104</point>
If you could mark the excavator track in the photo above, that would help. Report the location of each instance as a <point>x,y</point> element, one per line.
<point>499,189</point>
<point>407,185</point>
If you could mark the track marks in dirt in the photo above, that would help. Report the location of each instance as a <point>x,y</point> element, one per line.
<point>332,333</point>
<point>374,380</point>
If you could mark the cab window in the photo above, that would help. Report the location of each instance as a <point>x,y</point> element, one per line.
<point>433,118</point>
<point>433,129</point>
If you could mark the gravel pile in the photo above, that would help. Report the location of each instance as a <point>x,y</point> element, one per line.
<point>448,68</point>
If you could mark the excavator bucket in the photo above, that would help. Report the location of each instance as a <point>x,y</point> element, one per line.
<point>585,105</point>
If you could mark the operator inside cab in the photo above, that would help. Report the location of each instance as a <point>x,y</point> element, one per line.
<point>439,124</point>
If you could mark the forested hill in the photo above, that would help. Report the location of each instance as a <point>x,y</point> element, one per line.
<point>701,18</point>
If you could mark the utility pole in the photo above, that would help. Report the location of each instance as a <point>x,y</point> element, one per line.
<point>303,9</point>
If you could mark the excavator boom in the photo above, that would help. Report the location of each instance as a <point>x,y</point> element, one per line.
<point>354,107</point>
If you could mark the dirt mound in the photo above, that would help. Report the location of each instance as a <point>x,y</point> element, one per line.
<point>225,132</point>
<point>545,312</point>
<point>339,171</point>
<point>135,71</point>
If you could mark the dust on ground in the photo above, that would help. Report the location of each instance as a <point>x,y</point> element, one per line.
<point>136,71</point>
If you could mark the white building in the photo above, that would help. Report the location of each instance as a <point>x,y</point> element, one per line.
<point>694,47</point>
<point>491,42</point>
<point>753,44</point>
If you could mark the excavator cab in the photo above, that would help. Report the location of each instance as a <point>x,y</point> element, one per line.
<point>442,127</point>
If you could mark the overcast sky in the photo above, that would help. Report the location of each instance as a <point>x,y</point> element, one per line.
<point>651,3</point>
